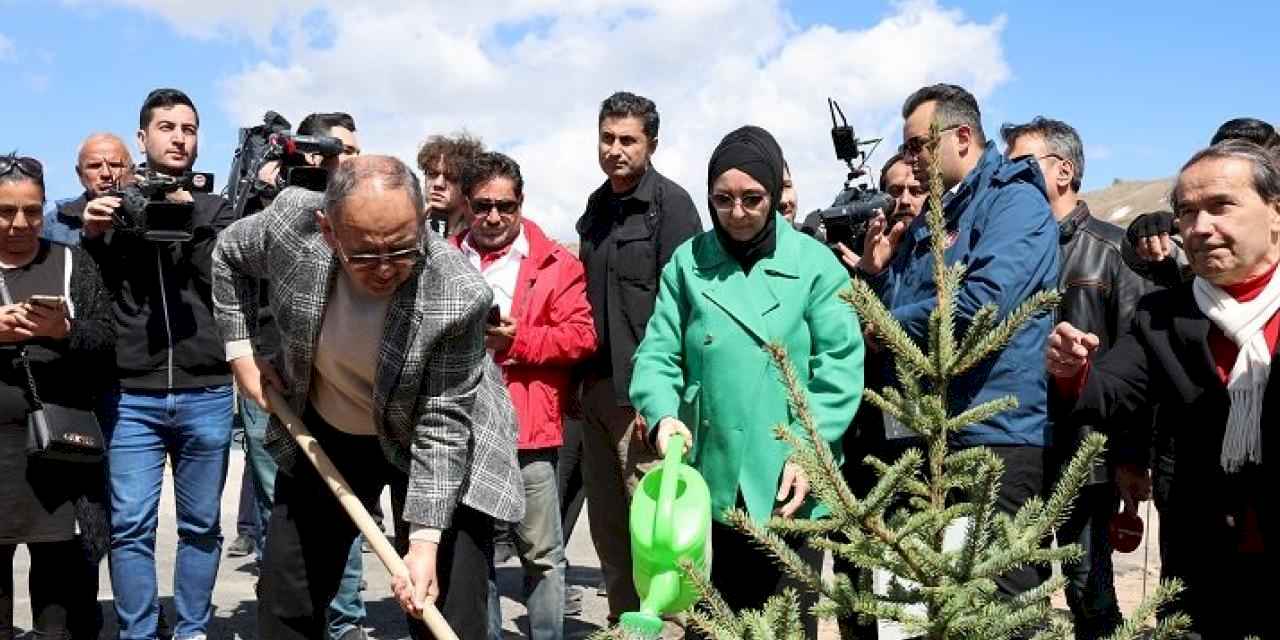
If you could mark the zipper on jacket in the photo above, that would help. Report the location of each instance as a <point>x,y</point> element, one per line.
<point>164,304</point>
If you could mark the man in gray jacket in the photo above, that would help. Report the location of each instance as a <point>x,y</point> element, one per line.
<point>383,355</point>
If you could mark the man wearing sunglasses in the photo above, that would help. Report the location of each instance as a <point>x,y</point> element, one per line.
<point>1099,295</point>
<point>543,328</point>
<point>383,333</point>
<point>998,225</point>
<point>103,165</point>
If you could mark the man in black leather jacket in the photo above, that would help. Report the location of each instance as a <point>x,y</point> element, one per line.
<point>1099,291</point>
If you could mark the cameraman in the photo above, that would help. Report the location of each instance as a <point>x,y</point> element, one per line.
<point>102,165</point>
<point>175,398</point>
<point>346,612</point>
<point>899,181</point>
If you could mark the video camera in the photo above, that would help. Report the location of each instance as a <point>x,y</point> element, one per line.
<point>145,211</point>
<point>274,140</point>
<point>848,217</point>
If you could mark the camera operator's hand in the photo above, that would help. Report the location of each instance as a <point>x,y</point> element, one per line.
<point>269,172</point>
<point>181,196</point>
<point>847,256</point>
<point>98,215</point>
<point>878,247</point>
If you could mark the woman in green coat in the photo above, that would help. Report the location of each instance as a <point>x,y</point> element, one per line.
<point>703,371</point>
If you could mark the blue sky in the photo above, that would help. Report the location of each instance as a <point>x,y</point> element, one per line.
<point>1144,82</point>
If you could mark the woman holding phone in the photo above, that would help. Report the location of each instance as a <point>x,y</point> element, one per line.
<point>55,316</point>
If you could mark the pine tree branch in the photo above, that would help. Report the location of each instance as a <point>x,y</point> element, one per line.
<point>1134,626</point>
<point>1058,508</point>
<point>982,412</point>
<point>999,337</point>
<point>716,613</point>
<point>984,500</point>
<point>770,542</point>
<point>886,327</point>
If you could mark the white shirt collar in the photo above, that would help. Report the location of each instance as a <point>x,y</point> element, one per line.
<point>519,246</point>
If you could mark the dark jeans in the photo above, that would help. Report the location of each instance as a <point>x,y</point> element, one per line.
<point>569,468</point>
<point>64,591</point>
<point>1091,588</point>
<point>746,576</point>
<point>310,535</point>
<point>1023,479</point>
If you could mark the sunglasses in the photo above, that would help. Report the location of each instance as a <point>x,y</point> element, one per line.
<point>916,145</point>
<point>23,164</point>
<point>724,202</point>
<point>504,207</point>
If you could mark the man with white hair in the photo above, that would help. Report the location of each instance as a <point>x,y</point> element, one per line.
<point>1201,352</point>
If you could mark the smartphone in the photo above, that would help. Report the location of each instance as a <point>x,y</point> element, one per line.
<point>48,302</point>
<point>495,316</point>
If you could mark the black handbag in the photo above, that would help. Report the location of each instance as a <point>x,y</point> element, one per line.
<point>55,432</point>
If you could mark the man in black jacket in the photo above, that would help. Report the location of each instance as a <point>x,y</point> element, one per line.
<point>1201,352</point>
<point>175,397</point>
<point>1099,293</point>
<point>632,225</point>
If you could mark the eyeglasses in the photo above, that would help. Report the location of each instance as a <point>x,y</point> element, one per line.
<point>398,258</point>
<point>916,144</point>
<point>750,201</point>
<point>26,165</point>
<point>504,207</point>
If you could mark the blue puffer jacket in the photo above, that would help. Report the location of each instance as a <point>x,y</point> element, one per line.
<point>999,225</point>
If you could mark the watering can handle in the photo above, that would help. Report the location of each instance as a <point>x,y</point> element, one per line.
<point>662,526</point>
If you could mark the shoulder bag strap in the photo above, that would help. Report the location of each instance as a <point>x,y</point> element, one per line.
<point>22,351</point>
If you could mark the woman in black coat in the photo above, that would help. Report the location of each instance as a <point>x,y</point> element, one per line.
<point>55,308</point>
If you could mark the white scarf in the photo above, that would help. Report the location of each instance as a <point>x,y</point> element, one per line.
<point>1243,323</point>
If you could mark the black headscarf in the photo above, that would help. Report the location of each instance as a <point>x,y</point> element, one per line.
<point>753,151</point>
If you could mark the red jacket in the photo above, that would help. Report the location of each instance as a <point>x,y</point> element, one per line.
<point>554,331</point>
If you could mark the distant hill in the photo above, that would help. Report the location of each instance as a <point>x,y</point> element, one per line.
<point>1124,200</point>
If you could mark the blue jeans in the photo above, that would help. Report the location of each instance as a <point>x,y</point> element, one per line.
<point>540,545</point>
<point>347,610</point>
<point>191,427</point>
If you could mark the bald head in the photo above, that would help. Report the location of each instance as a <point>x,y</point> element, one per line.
<point>373,220</point>
<point>103,163</point>
<point>381,173</point>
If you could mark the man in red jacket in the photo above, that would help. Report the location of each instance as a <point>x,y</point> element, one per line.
<point>540,328</point>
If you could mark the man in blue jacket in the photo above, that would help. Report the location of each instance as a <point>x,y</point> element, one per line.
<point>999,225</point>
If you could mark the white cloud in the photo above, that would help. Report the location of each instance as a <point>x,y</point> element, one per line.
<point>407,69</point>
<point>6,48</point>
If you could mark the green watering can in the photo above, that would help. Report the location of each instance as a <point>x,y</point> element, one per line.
<point>670,522</point>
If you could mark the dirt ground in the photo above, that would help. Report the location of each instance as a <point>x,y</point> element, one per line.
<point>236,606</point>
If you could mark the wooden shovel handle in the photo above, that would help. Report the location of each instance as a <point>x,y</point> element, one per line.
<point>355,509</point>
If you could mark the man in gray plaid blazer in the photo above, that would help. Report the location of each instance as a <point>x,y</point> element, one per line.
<point>382,353</point>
